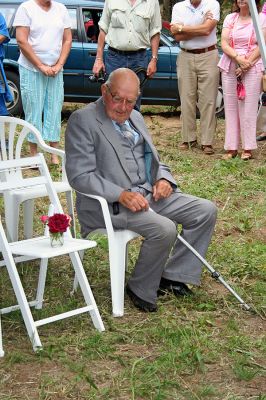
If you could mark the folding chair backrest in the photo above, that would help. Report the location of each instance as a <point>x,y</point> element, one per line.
<point>12,169</point>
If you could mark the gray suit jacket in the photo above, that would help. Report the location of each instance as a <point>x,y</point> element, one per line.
<point>95,163</point>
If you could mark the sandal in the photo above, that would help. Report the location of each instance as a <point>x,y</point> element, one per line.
<point>188,145</point>
<point>229,155</point>
<point>246,155</point>
<point>207,149</point>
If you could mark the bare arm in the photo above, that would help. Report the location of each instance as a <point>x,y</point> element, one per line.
<point>2,38</point>
<point>186,32</point>
<point>152,66</point>
<point>22,33</point>
<point>99,64</point>
<point>230,51</point>
<point>256,52</point>
<point>66,46</point>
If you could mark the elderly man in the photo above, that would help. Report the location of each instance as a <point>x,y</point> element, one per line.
<point>129,28</point>
<point>194,26</point>
<point>109,152</point>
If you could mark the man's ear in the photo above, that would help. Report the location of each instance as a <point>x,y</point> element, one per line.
<point>103,89</point>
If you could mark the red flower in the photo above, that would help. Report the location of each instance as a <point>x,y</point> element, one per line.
<point>57,222</point>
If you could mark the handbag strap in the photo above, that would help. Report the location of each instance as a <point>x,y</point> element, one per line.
<point>234,29</point>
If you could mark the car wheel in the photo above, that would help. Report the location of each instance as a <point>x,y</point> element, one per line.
<point>219,110</point>
<point>14,107</point>
<point>220,103</point>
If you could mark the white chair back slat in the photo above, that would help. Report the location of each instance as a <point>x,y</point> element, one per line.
<point>3,152</point>
<point>22,136</point>
<point>18,183</point>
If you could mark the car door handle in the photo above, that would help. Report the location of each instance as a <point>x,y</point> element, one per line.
<point>92,53</point>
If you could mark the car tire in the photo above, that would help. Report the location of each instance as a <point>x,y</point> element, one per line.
<point>220,103</point>
<point>219,111</point>
<point>15,107</point>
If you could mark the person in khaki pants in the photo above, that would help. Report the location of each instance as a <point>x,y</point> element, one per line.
<point>194,26</point>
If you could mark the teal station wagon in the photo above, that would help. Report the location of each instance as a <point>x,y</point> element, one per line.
<point>85,14</point>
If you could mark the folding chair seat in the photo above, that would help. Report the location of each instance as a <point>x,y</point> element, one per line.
<point>13,132</point>
<point>40,248</point>
<point>118,256</point>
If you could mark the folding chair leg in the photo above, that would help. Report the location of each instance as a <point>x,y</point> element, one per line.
<point>41,283</point>
<point>117,260</point>
<point>24,306</point>
<point>2,353</point>
<point>215,274</point>
<point>70,207</point>
<point>28,212</point>
<point>86,290</point>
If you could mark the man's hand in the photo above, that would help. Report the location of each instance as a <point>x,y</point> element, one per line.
<point>98,66</point>
<point>174,28</point>
<point>152,68</point>
<point>133,201</point>
<point>208,15</point>
<point>162,189</point>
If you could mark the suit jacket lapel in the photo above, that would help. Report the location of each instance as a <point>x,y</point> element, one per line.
<point>110,133</point>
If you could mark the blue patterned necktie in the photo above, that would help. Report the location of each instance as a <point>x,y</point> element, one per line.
<point>127,133</point>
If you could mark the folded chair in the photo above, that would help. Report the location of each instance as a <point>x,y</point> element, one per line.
<point>118,256</point>
<point>40,248</point>
<point>13,132</point>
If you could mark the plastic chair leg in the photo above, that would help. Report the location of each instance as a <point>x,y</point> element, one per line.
<point>28,212</point>
<point>11,217</point>
<point>117,260</point>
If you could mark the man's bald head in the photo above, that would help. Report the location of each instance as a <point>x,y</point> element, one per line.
<point>123,76</point>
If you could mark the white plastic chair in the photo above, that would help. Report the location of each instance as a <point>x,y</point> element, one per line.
<point>14,131</point>
<point>117,247</point>
<point>40,248</point>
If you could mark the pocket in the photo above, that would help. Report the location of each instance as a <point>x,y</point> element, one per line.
<point>141,22</point>
<point>118,18</point>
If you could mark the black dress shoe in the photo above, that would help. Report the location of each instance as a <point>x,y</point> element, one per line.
<point>178,288</point>
<point>139,303</point>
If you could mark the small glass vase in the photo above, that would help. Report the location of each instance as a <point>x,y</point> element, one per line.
<point>57,239</point>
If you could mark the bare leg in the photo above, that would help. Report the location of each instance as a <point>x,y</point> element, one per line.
<point>54,157</point>
<point>33,149</point>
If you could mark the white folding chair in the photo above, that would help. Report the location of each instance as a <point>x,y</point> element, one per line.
<point>118,256</point>
<point>40,248</point>
<point>13,132</point>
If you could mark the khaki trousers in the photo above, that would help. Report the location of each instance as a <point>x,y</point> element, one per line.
<point>198,80</point>
<point>261,120</point>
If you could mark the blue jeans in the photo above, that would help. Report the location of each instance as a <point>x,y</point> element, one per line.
<point>133,61</point>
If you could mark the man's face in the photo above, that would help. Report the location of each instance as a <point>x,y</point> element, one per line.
<point>195,3</point>
<point>120,99</point>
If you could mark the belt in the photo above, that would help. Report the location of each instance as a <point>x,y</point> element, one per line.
<point>127,52</point>
<point>199,51</point>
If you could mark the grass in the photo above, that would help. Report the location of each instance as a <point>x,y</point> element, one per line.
<point>206,347</point>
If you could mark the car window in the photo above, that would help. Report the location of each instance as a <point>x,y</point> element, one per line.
<point>74,26</point>
<point>8,13</point>
<point>91,18</point>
